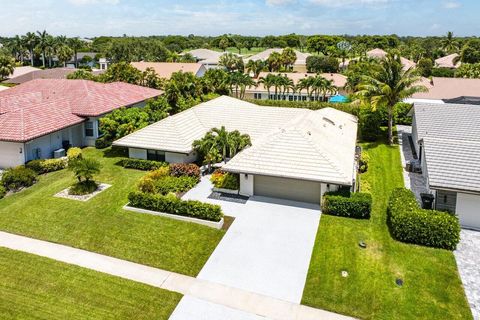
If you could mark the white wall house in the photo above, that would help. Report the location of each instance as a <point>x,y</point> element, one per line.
<point>296,154</point>
<point>447,139</point>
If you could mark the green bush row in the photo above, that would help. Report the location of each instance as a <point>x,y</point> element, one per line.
<point>167,184</point>
<point>409,223</point>
<point>225,180</point>
<point>354,205</point>
<point>173,205</point>
<point>141,164</point>
<point>19,177</point>
<point>42,166</point>
<point>185,169</point>
<point>312,105</point>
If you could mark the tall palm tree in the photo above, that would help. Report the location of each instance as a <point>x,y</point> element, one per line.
<point>42,44</point>
<point>18,48</point>
<point>255,67</point>
<point>305,83</point>
<point>30,40</point>
<point>75,44</point>
<point>237,142</point>
<point>50,49</point>
<point>288,58</point>
<point>64,54</point>
<point>268,82</point>
<point>231,62</point>
<point>274,62</point>
<point>449,44</point>
<point>388,86</point>
<point>221,139</point>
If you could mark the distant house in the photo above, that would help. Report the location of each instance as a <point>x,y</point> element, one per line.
<point>296,154</point>
<point>209,58</point>
<point>300,64</point>
<point>449,90</point>
<point>447,140</point>
<point>448,62</point>
<point>381,54</point>
<point>44,115</point>
<point>260,92</point>
<point>166,69</point>
<point>55,73</point>
<point>81,57</point>
<point>19,71</point>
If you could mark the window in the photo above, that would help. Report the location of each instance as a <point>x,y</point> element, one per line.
<point>257,96</point>
<point>155,155</point>
<point>89,129</point>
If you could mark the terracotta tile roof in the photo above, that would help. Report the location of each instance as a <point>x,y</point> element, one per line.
<point>381,54</point>
<point>165,69</point>
<point>447,61</point>
<point>41,106</point>
<point>449,88</point>
<point>55,73</point>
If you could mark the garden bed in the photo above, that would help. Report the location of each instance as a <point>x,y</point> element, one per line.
<point>65,193</point>
<point>212,224</point>
<point>227,191</point>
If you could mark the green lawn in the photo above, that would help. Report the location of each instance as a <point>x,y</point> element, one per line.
<point>101,225</point>
<point>432,287</point>
<point>34,287</point>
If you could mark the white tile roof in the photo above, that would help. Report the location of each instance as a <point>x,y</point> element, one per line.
<point>447,61</point>
<point>206,56</point>
<point>301,56</point>
<point>451,137</point>
<point>289,142</point>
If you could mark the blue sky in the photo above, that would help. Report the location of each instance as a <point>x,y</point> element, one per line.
<point>250,17</point>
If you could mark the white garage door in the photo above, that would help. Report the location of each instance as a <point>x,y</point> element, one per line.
<point>290,189</point>
<point>468,210</point>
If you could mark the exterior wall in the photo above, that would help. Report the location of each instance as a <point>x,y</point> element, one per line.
<point>172,157</point>
<point>137,153</point>
<point>468,210</point>
<point>12,154</point>
<point>201,71</point>
<point>415,134</point>
<point>251,94</point>
<point>246,184</point>
<point>446,201</point>
<point>90,141</point>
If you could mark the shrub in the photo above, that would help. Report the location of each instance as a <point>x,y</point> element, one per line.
<point>42,166</point>
<point>401,113</point>
<point>18,177</point>
<point>443,72</point>
<point>409,223</point>
<point>225,180</point>
<point>171,204</point>
<point>166,184</point>
<point>363,163</point>
<point>3,192</point>
<point>85,168</point>
<point>185,169</point>
<point>83,188</point>
<point>102,143</point>
<point>369,123</point>
<point>140,164</point>
<point>354,205</point>
<point>74,154</point>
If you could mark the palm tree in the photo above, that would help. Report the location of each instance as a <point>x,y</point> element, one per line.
<point>305,83</point>
<point>7,65</point>
<point>207,148</point>
<point>239,82</point>
<point>30,40</point>
<point>288,58</point>
<point>449,44</point>
<point>50,49</point>
<point>274,62</point>
<point>237,142</point>
<point>75,44</point>
<point>255,67</point>
<point>231,62</point>
<point>18,48</point>
<point>221,140</point>
<point>268,81</point>
<point>388,86</point>
<point>42,44</point>
<point>286,84</point>
<point>84,168</point>
<point>64,54</point>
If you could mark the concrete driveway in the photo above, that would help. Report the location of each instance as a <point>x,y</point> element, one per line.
<point>267,249</point>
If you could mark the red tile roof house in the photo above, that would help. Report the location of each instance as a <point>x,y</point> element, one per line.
<point>40,116</point>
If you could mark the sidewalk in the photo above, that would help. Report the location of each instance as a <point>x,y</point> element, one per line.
<point>232,298</point>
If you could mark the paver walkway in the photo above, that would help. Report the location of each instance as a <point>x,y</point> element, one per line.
<point>195,289</point>
<point>468,262</point>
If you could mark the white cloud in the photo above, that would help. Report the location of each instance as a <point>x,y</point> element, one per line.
<point>451,4</point>
<point>87,2</point>
<point>344,3</point>
<point>279,2</point>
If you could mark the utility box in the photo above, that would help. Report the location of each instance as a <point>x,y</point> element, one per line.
<point>59,153</point>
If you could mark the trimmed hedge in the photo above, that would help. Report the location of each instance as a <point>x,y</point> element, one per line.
<point>171,204</point>
<point>167,184</point>
<point>353,205</point>
<point>74,154</point>
<point>409,223</point>
<point>225,180</point>
<point>42,166</point>
<point>140,164</point>
<point>102,143</point>
<point>19,177</point>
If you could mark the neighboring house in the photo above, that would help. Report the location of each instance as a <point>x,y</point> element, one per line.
<point>55,73</point>
<point>449,90</point>
<point>41,116</point>
<point>209,58</point>
<point>447,139</point>
<point>80,58</point>
<point>381,54</point>
<point>300,64</point>
<point>261,92</point>
<point>448,61</point>
<point>166,69</point>
<point>103,63</point>
<point>296,154</point>
<point>19,71</point>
